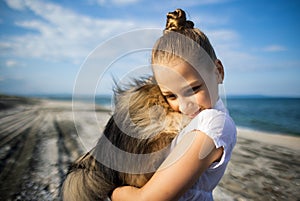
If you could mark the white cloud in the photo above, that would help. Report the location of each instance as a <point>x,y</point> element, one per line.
<point>274,48</point>
<point>16,4</point>
<point>11,63</point>
<point>64,35</point>
<point>114,2</point>
<point>206,20</point>
<point>61,34</point>
<point>123,2</point>
<point>224,36</point>
<point>227,45</point>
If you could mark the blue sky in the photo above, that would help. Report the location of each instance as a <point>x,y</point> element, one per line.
<point>44,44</point>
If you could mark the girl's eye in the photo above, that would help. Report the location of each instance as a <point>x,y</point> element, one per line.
<point>170,96</point>
<point>193,90</point>
<point>196,89</point>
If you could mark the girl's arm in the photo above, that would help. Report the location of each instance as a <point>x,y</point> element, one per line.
<point>193,155</point>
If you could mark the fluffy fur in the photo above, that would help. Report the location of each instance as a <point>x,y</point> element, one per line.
<point>142,123</point>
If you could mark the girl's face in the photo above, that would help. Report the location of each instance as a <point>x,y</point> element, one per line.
<point>185,90</point>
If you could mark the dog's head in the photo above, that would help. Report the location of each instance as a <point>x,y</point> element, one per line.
<point>145,124</point>
<point>142,111</point>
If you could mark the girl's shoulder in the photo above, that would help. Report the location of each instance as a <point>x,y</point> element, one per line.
<point>207,119</point>
<point>217,124</point>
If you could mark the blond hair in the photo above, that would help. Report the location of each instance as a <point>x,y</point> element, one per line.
<point>180,39</point>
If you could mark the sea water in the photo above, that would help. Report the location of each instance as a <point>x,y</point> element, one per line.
<point>278,115</point>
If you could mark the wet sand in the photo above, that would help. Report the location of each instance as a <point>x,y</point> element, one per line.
<point>39,139</point>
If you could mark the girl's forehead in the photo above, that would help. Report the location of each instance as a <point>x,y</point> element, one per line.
<point>180,70</point>
<point>176,77</point>
<point>201,63</point>
<point>198,65</point>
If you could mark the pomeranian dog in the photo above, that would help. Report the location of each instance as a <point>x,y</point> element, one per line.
<point>134,143</point>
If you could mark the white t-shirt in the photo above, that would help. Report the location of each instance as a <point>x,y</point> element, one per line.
<point>219,126</point>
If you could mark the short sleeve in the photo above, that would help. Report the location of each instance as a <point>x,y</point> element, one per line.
<point>219,127</point>
<point>211,122</point>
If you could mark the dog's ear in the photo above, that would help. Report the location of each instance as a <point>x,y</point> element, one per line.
<point>133,85</point>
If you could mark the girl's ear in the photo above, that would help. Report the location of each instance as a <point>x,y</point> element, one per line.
<point>219,71</point>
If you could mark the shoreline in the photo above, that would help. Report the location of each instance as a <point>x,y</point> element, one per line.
<point>280,139</point>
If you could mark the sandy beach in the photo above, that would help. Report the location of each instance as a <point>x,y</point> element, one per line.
<point>39,139</point>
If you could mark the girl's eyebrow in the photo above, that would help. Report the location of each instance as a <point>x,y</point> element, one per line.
<point>188,87</point>
<point>166,92</point>
<point>191,85</point>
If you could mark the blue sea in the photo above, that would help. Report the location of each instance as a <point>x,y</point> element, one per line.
<point>271,114</point>
<point>278,115</point>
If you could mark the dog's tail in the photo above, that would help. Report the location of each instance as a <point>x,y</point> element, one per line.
<point>86,181</point>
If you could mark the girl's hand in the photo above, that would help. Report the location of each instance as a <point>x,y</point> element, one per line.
<point>126,193</point>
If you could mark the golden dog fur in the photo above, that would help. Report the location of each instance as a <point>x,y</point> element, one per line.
<point>143,123</point>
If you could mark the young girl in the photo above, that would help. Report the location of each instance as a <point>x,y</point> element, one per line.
<point>188,72</point>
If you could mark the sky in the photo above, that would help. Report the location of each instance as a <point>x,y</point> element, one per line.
<point>46,46</point>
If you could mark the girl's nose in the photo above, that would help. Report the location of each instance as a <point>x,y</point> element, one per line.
<point>188,107</point>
